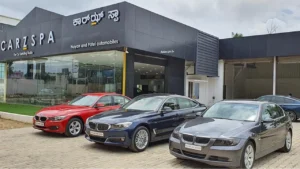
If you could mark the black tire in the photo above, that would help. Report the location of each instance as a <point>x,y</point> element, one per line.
<point>68,131</point>
<point>293,116</point>
<point>243,165</point>
<point>133,145</point>
<point>287,148</point>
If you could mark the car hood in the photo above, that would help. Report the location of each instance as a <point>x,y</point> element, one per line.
<point>61,110</point>
<point>216,128</point>
<point>120,115</point>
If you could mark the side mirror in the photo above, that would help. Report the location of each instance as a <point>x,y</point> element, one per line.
<point>268,121</point>
<point>99,105</point>
<point>165,109</point>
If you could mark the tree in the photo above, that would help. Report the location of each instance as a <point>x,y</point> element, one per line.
<point>271,26</point>
<point>236,35</point>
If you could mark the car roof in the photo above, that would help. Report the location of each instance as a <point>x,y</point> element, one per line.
<point>160,94</point>
<point>245,102</point>
<point>288,97</point>
<point>101,94</point>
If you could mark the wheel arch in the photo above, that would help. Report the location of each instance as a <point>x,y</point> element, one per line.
<point>76,116</point>
<point>147,126</point>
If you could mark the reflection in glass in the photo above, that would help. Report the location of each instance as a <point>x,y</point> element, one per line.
<point>2,76</point>
<point>54,80</point>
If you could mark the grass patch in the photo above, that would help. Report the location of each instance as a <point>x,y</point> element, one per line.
<point>20,108</point>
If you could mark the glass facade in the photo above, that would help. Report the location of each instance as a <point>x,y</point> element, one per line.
<point>2,81</point>
<point>57,79</point>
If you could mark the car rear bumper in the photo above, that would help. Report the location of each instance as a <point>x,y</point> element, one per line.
<point>114,138</point>
<point>216,157</point>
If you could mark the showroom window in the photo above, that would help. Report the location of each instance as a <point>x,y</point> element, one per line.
<point>55,80</point>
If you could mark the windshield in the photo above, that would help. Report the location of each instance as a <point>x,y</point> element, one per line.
<point>84,100</point>
<point>233,111</point>
<point>145,103</point>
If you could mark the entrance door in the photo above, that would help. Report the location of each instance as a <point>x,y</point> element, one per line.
<point>148,78</point>
<point>197,89</point>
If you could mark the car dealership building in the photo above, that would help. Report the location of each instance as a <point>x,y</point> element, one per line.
<point>48,58</point>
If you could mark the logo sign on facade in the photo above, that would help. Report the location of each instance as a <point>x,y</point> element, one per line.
<point>167,51</point>
<point>94,44</point>
<point>23,42</point>
<point>97,17</point>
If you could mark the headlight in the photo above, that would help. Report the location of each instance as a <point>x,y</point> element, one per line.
<point>176,133</point>
<point>57,118</point>
<point>227,142</point>
<point>121,125</point>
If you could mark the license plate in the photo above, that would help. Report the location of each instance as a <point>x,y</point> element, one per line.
<point>37,123</point>
<point>193,147</point>
<point>94,133</point>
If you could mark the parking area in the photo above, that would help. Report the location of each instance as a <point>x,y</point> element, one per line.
<point>29,148</point>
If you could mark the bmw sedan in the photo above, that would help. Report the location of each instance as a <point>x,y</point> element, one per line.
<point>289,104</point>
<point>145,119</point>
<point>233,134</point>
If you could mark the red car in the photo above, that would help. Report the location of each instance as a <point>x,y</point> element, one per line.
<point>69,119</point>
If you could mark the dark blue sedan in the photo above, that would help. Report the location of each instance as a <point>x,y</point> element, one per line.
<point>289,104</point>
<point>145,119</point>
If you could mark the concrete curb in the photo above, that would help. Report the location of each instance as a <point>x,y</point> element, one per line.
<point>16,117</point>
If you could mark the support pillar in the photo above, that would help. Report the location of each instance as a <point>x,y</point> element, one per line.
<point>274,74</point>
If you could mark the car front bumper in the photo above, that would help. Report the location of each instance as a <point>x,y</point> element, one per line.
<point>224,156</point>
<point>115,138</point>
<point>52,126</point>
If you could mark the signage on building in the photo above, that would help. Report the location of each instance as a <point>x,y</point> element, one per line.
<point>95,18</point>
<point>24,42</point>
<point>167,51</point>
<point>94,44</point>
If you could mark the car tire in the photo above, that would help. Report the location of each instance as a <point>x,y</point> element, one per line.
<point>248,156</point>
<point>287,143</point>
<point>140,139</point>
<point>74,127</point>
<point>293,116</point>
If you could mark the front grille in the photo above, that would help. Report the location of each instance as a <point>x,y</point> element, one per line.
<point>36,117</point>
<point>202,140</point>
<point>188,138</point>
<point>193,155</point>
<point>102,127</point>
<point>92,125</point>
<point>98,139</point>
<point>40,118</point>
<point>43,118</point>
<point>216,158</point>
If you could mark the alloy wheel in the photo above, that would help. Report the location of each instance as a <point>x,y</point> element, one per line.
<point>249,156</point>
<point>141,139</point>
<point>288,140</point>
<point>75,128</point>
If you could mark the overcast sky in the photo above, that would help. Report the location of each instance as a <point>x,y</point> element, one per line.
<point>217,17</point>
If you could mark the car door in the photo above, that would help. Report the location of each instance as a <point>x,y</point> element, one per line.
<point>268,133</point>
<point>165,121</point>
<point>107,104</point>
<point>280,123</point>
<point>186,110</point>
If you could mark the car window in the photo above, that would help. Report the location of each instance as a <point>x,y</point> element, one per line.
<point>172,103</point>
<point>119,100</point>
<point>289,101</point>
<point>276,99</point>
<point>233,111</point>
<point>185,103</point>
<point>280,111</point>
<point>194,104</point>
<point>264,98</point>
<point>270,111</point>
<point>106,101</point>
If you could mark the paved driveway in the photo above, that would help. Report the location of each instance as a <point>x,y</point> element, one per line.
<point>29,148</point>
